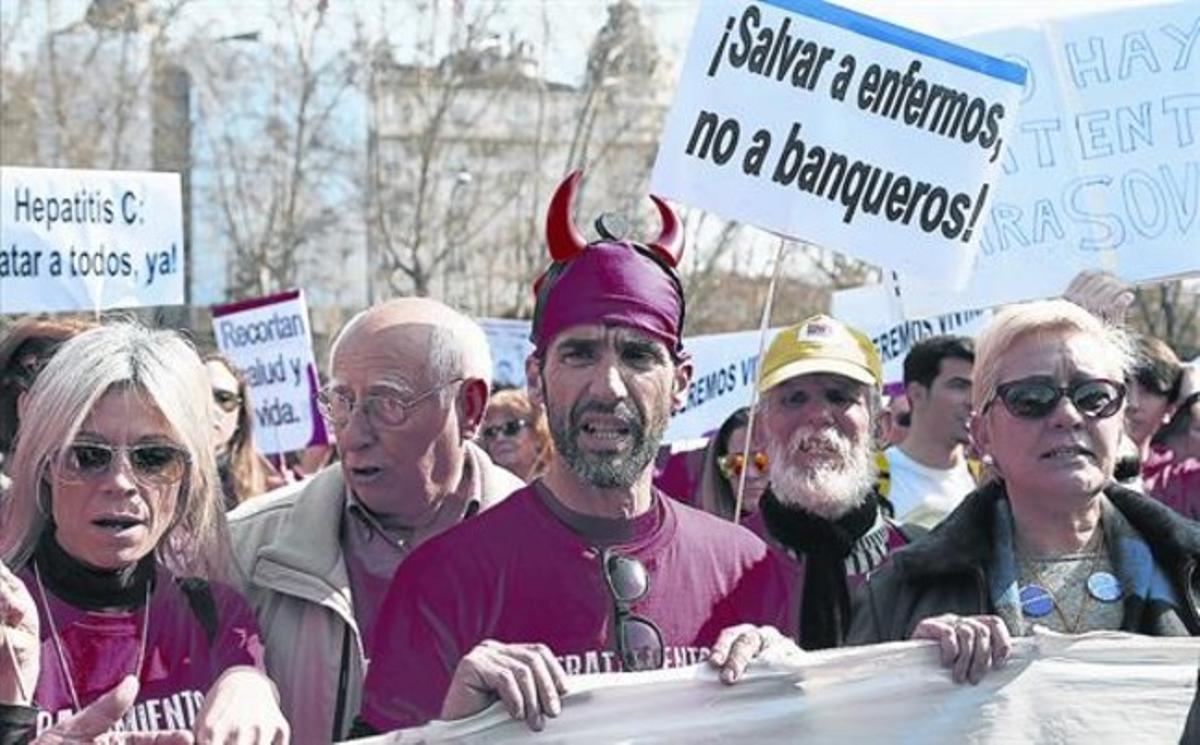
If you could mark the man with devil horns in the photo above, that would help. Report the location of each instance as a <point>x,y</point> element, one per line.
<point>589,569</point>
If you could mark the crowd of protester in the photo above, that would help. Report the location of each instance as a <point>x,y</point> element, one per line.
<point>462,546</point>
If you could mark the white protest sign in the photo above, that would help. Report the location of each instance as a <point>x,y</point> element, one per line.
<point>872,310</point>
<point>725,370</point>
<point>825,125</point>
<point>509,343</point>
<point>89,240</point>
<point>1102,170</point>
<point>270,341</point>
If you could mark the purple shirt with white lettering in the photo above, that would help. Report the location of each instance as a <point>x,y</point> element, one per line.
<point>521,573</point>
<point>179,666</point>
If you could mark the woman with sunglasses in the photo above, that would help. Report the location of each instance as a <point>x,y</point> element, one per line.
<point>243,471</point>
<point>515,434</point>
<point>724,463</point>
<point>116,528</point>
<point>1049,539</point>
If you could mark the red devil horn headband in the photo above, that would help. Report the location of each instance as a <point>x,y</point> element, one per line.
<point>566,242</point>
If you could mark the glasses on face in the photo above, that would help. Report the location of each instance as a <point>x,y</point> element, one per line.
<point>639,640</point>
<point>381,409</point>
<point>226,401</point>
<point>508,429</point>
<point>1034,398</point>
<point>731,464</point>
<point>159,464</point>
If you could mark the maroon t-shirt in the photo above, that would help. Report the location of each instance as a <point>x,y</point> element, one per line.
<point>520,573</point>
<point>179,666</point>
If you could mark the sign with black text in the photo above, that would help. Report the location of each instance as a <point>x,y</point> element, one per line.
<point>269,339</point>
<point>825,125</point>
<point>73,240</point>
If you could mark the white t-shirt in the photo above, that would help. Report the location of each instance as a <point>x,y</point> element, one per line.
<point>922,495</point>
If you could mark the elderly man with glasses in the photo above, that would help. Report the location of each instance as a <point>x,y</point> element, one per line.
<point>589,569</point>
<point>409,383</point>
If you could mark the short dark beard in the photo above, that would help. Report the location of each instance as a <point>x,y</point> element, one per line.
<point>607,471</point>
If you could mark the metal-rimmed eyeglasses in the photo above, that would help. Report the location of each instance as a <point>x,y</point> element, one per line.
<point>381,409</point>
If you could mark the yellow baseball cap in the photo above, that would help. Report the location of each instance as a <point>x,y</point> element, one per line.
<point>820,345</point>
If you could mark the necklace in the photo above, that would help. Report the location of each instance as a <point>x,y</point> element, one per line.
<point>1073,628</point>
<point>62,654</point>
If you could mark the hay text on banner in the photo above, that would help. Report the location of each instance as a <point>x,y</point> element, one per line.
<point>75,240</point>
<point>269,339</point>
<point>828,126</point>
<point>870,309</point>
<point>1102,167</point>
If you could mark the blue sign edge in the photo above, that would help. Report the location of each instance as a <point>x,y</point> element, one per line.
<point>914,41</point>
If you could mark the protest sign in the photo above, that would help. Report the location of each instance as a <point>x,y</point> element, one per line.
<point>821,124</point>
<point>1098,688</point>
<point>1102,170</point>
<point>873,310</point>
<point>508,341</point>
<point>269,339</point>
<point>89,240</point>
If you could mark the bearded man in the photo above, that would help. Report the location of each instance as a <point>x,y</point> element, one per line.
<point>820,392</point>
<point>589,569</point>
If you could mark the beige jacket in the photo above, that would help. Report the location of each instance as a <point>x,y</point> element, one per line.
<point>287,549</point>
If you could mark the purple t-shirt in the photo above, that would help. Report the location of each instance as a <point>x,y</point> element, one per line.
<point>519,574</point>
<point>179,667</point>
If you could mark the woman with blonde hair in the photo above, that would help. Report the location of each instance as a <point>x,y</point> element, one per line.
<point>115,528</point>
<point>515,434</point>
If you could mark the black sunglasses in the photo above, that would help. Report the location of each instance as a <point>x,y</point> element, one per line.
<point>509,429</point>
<point>639,640</point>
<point>1034,398</point>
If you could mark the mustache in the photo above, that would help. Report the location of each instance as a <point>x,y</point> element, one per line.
<point>620,409</point>
<point>823,440</point>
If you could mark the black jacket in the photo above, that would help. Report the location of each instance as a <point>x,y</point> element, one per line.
<point>946,571</point>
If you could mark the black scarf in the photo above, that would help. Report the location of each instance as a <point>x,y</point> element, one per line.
<point>825,605</point>
<point>87,587</point>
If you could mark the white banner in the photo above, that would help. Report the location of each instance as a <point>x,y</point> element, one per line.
<point>875,310</point>
<point>270,341</point>
<point>1102,170</point>
<point>832,127</point>
<point>509,343</point>
<point>75,240</point>
<point>725,371</point>
<point>1097,688</point>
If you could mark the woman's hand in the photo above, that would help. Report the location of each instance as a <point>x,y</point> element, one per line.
<point>971,645</point>
<point>19,640</point>
<point>242,707</point>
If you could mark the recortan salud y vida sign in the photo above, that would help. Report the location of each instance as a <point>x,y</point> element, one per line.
<point>821,124</point>
<point>270,341</point>
<point>81,240</point>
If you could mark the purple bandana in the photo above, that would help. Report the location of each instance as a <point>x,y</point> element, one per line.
<point>611,282</point>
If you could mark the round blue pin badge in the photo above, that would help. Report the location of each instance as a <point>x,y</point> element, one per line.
<point>1105,587</point>
<point>1036,601</point>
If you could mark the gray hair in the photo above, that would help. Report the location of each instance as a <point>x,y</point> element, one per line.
<point>1015,322</point>
<point>164,368</point>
